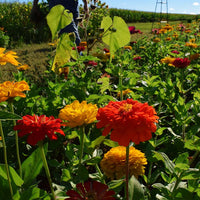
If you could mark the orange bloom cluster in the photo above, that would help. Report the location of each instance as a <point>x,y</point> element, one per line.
<point>127,120</point>
<point>12,89</point>
<point>8,57</point>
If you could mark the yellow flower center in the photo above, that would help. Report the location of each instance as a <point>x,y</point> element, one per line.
<point>125,108</point>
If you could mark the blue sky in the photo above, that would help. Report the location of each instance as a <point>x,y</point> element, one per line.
<point>174,6</point>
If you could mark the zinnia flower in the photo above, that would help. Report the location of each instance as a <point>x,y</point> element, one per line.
<point>113,163</point>
<point>23,67</point>
<point>156,40</point>
<point>91,190</point>
<point>78,114</point>
<point>181,62</point>
<point>12,89</point>
<point>124,92</point>
<point>168,60</point>
<point>128,47</point>
<point>191,44</point>
<point>38,127</point>
<point>127,120</point>
<point>91,63</point>
<point>8,57</point>
<point>176,52</point>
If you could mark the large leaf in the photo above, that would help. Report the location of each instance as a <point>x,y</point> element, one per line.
<point>16,182</point>
<point>58,18</point>
<point>32,166</point>
<point>63,52</point>
<point>116,33</point>
<point>136,192</point>
<point>8,116</point>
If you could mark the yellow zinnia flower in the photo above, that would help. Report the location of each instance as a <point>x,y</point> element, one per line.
<point>23,67</point>
<point>190,44</point>
<point>78,114</point>
<point>8,57</point>
<point>124,92</point>
<point>156,40</point>
<point>128,47</point>
<point>12,89</point>
<point>168,60</point>
<point>114,162</point>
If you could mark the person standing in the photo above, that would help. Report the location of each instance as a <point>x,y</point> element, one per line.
<point>72,6</point>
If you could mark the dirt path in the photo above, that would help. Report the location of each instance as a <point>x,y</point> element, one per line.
<point>36,56</point>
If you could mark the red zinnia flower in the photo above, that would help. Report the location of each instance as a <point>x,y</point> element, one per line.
<point>106,50</point>
<point>181,62</point>
<point>38,127</point>
<point>92,63</point>
<point>79,48</point>
<point>128,120</point>
<point>91,190</point>
<point>176,52</point>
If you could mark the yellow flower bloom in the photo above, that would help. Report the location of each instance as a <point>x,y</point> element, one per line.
<point>23,67</point>
<point>9,57</point>
<point>188,31</point>
<point>124,92</point>
<point>192,40</point>
<point>156,40</point>
<point>128,47</point>
<point>84,44</point>
<point>114,161</point>
<point>168,39</point>
<point>12,89</point>
<point>162,31</point>
<point>78,114</point>
<point>168,60</point>
<point>190,44</point>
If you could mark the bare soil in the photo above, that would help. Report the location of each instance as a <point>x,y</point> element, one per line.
<point>36,56</point>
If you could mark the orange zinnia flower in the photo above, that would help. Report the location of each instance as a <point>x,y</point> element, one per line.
<point>8,57</point>
<point>128,120</point>
<point>12,89</point>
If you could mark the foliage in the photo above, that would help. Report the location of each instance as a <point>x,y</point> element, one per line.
<point>172,153</point>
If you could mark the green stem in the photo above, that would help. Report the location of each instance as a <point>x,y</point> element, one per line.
<point>16,142</point>
<point>40,144</point>
<point>81,143</point>
<point>5,160</point>
<point>120,83</point>
<point>127,172</point>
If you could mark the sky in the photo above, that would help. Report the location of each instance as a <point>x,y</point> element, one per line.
<point>174,6</point>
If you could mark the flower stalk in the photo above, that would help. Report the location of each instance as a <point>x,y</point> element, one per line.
<point>82,133</point>
<point>16,141</point>
<point>41,147</point>
<point>127,172</point>
<point>5,160</point>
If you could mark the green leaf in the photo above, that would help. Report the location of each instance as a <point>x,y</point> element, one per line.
<point>4,115</point>
<point>34,193</point>
<point>163,157</point>
<point>58,18</point>
<point>105,85</point>
<point>66,176</point>
<point>193,144</point>
<point>32,166</point>
<point>63,52</point>
<point>110,143</point>
<point>116,33</point>
<point>16,182</point>
<point>136,191</point>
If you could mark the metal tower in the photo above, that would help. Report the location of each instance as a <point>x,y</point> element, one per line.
<point>162,7</point>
